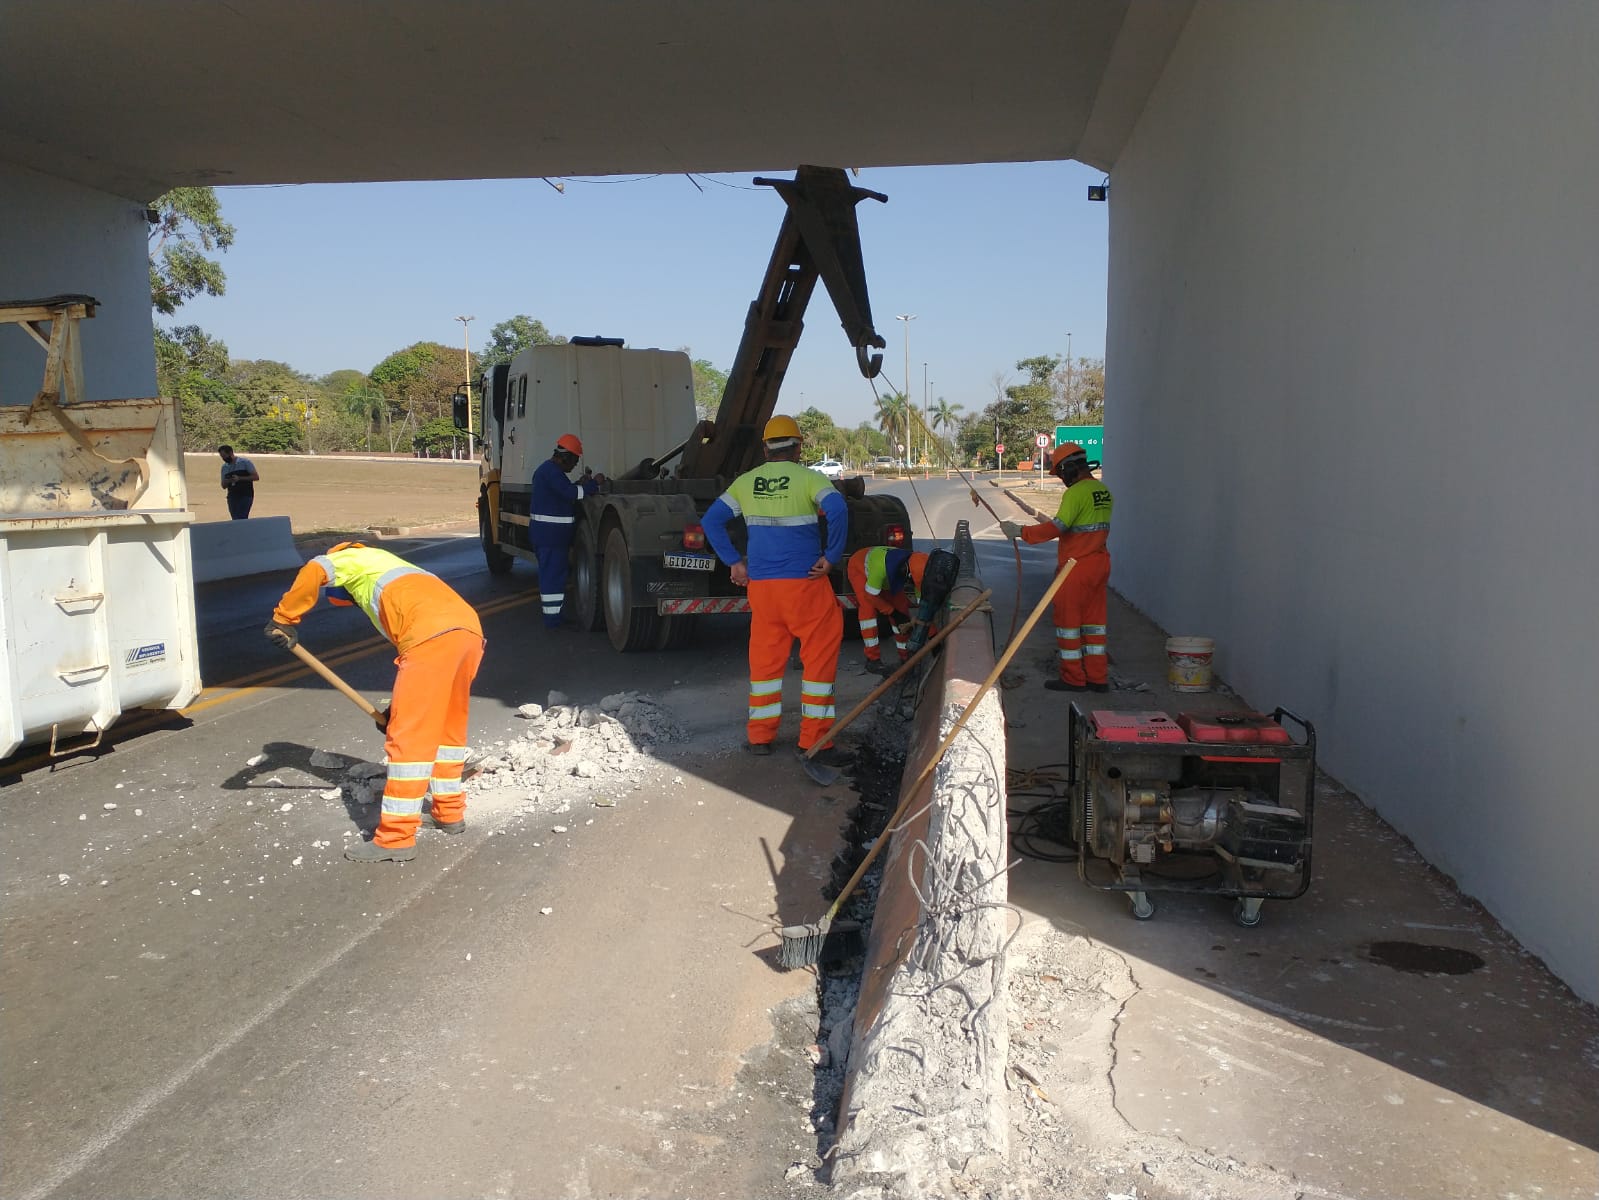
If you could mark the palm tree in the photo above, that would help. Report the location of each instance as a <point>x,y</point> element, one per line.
<point>890,416</point>
<point>944,414</point>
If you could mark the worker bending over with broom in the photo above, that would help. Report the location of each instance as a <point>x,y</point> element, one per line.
<point>786,573</point>
<point>1082,524</point>
<point>441,644</point>
<point>885,582</point>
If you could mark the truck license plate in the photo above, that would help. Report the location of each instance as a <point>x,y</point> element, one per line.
<point>691,562</point>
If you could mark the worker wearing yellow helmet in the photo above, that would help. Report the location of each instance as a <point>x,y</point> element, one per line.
<point>787,575</point>
<point>1082,525</point>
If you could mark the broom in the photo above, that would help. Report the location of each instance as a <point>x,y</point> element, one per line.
<point>804,945</point>
<point>827,776</point>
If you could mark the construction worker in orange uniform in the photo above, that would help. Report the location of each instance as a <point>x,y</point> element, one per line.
<point>786,573</point>
<point>441,644</point>
<point>884,580</point>
<point>1082,524</point>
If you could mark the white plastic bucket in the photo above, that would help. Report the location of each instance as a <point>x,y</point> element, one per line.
<point>1188,663</point>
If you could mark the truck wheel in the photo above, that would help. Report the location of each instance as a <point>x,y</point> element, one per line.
<point>499,562</point>
<point>585,583</point>
<point>675,632</point>
<point>629,628</point>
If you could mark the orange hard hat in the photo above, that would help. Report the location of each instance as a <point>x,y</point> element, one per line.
<point>780,429</point>
<point>1065,451</point>
<point>569,443</point>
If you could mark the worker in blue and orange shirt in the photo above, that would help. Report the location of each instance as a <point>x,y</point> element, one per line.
<point>786,573</point>
<point>885,581</point>
<point>1082,524</point>
<point>552,520</point>
<point>441,644</point>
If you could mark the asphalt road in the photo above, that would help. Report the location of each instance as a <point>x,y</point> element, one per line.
<point>201,997</point>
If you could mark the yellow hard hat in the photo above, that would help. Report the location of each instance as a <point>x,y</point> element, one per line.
<point>781,428</point>
<point>1064,451</point>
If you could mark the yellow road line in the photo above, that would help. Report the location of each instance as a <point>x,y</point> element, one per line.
<point>245,685</point>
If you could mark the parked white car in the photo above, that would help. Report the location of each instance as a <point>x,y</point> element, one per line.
<point>830,467</point>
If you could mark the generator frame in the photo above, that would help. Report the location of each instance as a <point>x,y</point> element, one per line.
<point>1295,788</point>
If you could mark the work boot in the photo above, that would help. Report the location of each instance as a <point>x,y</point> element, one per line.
<point>759,748</point>
<point>451,826</point>
<point>371,852</point>
<point>1099,687</point>
<point>877,666</point>
<point>1060,685</point>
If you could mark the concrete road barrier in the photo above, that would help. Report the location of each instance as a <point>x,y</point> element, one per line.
<point>229,549</point>
<point>924,1095</point>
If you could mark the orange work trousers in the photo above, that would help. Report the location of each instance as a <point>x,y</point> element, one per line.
<point>780,611</point>
<point>1080,622</point>
<point>426,739</point>
<point>868,608</point>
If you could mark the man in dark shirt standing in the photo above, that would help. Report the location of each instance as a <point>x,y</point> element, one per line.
<point>238,481</point>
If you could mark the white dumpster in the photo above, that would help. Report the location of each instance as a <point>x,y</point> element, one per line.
<point>96,584</point>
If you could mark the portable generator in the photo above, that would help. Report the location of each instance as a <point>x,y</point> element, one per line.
<point>1209,802</point>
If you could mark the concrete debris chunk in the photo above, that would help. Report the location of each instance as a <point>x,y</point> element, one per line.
<point>556,699</point>
<point>255,760</point>
<point>530,711</point>
<point>365,770</point>
<point>586,769</point>
<point>321,758</point>
<point>331,793</point>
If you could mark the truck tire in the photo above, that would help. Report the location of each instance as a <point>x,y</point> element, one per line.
<point>629,628</point>
<point>499,562</point>
<point>585,581</point>
<point>675,632</point>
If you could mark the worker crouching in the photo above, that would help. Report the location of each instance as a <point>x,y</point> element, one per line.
<point>1082,525</point>
<point>440,644</point>
<point>886,582</point>
<point>786,573</point>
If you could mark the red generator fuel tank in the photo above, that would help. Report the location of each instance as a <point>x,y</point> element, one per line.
<point>1251,728</point>
<point>1112,726</point>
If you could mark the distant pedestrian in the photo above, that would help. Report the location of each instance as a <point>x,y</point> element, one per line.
<point>239,478</point>
<point>552,520</point>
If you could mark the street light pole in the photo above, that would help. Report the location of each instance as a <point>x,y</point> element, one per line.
<point>466,346</point>
<point>906,394</point>
<point>1068,376</point>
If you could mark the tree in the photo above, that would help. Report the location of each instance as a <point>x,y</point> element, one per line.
<point>437,438</point>
<point>890,416</point>
<point>258,384</point>
<point>191,367</point>
<point>945,420</point>
<point>188,225</point>
<point>512,336</point>
<point>820,434</point>
<point>268,435</point>
<point>709,383</point>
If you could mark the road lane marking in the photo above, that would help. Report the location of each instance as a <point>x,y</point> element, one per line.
<point>143,720</point>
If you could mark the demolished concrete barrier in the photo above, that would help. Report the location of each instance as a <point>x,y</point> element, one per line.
<point>229,549</point>
<point>924,1096</point>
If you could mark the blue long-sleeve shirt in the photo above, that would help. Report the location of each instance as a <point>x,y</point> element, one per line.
<point>552,514</point>
<point>780,503</point>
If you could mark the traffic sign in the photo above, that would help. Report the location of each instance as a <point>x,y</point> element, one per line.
<point>1041,441</point>
<point>999,449</point>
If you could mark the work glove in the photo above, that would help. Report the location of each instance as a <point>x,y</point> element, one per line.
<point>1010,529</point>
<point>279,634</point>
<point>381,719</point>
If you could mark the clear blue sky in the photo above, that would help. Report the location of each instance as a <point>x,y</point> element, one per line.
<point>998,263</point>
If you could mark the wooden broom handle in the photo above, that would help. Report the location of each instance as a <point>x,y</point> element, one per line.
<point>927,648</point>
<point>960,723</point>
<point>322,669</point>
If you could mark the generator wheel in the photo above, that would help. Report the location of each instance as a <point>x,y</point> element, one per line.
<point>1246,911</point>
<point>585,580</point>
<point>499,562</point>
<point>629,628</point>
<point>1143,908</point>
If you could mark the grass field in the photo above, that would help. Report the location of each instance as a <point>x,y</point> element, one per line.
<point>324,494</point>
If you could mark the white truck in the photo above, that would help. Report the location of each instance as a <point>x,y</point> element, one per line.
<point>96,585</point>
<point>640,568</point>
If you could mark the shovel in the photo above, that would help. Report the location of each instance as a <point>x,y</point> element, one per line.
<point>380,717</point>
<point>827,776</point>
